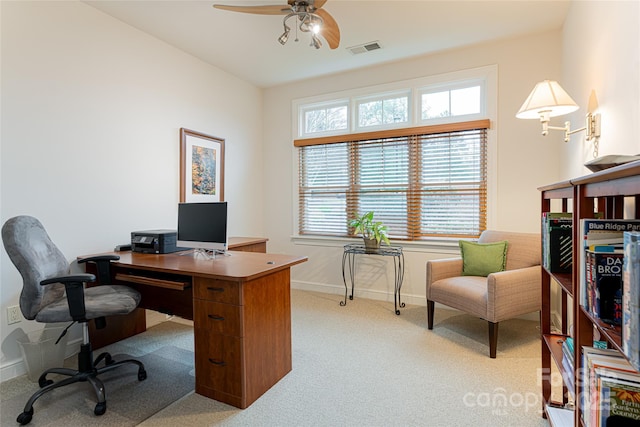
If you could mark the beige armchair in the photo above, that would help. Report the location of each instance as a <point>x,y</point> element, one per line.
<point>497,297</point>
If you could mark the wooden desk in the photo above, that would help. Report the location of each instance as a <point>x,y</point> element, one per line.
<point>241,310</point>
<point>248,244</point>
<point>171,303</point>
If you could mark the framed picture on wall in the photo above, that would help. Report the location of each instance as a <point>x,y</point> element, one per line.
<point>201,167</point>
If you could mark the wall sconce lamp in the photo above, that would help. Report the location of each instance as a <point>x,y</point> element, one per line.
<point>548,99</point>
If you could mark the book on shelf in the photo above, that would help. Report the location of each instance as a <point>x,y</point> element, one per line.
<point>595,361</point>
<point>604,283</point>
<point>598,233</point>
<point>619,397</point>
<point>631,298</point>
<point>567,359</point>
<point>557,241</point>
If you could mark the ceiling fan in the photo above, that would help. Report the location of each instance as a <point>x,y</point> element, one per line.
<point>312,19</point>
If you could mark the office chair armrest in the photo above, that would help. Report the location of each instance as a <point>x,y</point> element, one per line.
<point>74,287</point>
<point>102,265</point>
<point>82,278</point>
<point>99,258</point>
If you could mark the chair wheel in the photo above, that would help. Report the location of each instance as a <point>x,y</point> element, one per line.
<point>108,360</point>
<point>43,382</point>
<point>142,375</point>
<point>25,417</point>
<point>100,409</point>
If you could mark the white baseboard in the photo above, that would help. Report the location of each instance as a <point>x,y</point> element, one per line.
<point>359,293</point>
<point>12,369</point>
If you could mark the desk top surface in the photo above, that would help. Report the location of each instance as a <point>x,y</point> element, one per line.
<point>235,242</point>
<point>236,266</point>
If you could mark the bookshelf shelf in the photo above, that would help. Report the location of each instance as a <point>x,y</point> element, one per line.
<point>612,334</point>
<point>554,343</point>
<point>564,280</point>
<point>613,193</point>
<point>559,417</point>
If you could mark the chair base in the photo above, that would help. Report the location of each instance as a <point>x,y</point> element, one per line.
<point>86,371</point>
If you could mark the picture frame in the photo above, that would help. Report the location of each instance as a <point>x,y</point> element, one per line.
<point>201,167</point>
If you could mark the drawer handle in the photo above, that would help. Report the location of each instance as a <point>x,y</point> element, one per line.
<point>215,317</point>
<point>215,289</point>
<point>217,362</point>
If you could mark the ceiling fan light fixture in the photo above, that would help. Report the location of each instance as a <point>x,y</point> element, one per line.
<point>315,42</point>
<point>309,23</point>
<point>285,36</point>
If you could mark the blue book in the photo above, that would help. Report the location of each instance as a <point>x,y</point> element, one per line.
<point>631,299</point>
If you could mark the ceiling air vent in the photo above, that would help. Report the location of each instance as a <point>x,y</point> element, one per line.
<point>362,48</point>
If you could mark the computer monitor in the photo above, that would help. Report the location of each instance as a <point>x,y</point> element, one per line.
<point>203,225</point>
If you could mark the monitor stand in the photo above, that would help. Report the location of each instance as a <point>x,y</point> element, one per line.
<point>205,253</point>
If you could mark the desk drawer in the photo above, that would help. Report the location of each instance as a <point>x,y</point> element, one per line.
<point>218,318</point>
<point>216,290</point>
<point>218,365</point>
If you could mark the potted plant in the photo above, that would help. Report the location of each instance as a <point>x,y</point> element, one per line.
<point>373,232</point>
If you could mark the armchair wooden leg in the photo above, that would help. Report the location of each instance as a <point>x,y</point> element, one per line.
<point>430,308</point>
<point>493,339</point>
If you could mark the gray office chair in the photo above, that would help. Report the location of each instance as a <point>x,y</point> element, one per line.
<point>50,294</point>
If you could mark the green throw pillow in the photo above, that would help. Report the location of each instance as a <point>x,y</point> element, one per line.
<point>482,259</point>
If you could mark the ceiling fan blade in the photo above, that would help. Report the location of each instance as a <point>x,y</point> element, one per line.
<point>319,3</point>
<point>275,9</point>
<point>330,30</point>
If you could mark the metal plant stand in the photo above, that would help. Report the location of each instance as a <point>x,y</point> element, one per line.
<point>349,258</point>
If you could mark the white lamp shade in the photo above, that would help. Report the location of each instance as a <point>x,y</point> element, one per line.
<point>547,97</point>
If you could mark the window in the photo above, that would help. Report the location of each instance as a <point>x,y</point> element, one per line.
<point>324,119</point>
<point>417,152</point>
<point>388,110</point>
<point>421,182</point>
<point>451,102</point>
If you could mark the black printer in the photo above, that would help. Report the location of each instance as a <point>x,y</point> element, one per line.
<point>154,241</point>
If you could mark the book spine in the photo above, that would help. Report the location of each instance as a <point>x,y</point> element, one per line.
<point>631,299</point>
<point>607,286</point>
<point>556,241</point>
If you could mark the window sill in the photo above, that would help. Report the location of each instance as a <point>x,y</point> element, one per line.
<point>445,245</point>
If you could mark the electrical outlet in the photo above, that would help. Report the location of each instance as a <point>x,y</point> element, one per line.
<point>13,314</point>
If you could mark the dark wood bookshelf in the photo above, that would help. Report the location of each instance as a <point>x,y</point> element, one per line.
<point>613,193</point>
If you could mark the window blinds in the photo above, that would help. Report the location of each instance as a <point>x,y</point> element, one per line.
<point>421,182</point>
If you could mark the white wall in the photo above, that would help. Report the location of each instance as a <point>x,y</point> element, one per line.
<point>523,161</point>
<point>601,55</point>
<point>91,112</point>
<point>601,60</point>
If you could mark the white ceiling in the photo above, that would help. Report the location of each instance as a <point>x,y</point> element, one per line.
<point>246,44</point>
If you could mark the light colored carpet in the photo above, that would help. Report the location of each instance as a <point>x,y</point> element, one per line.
<point>129,401</point>
<point>363,365</point>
